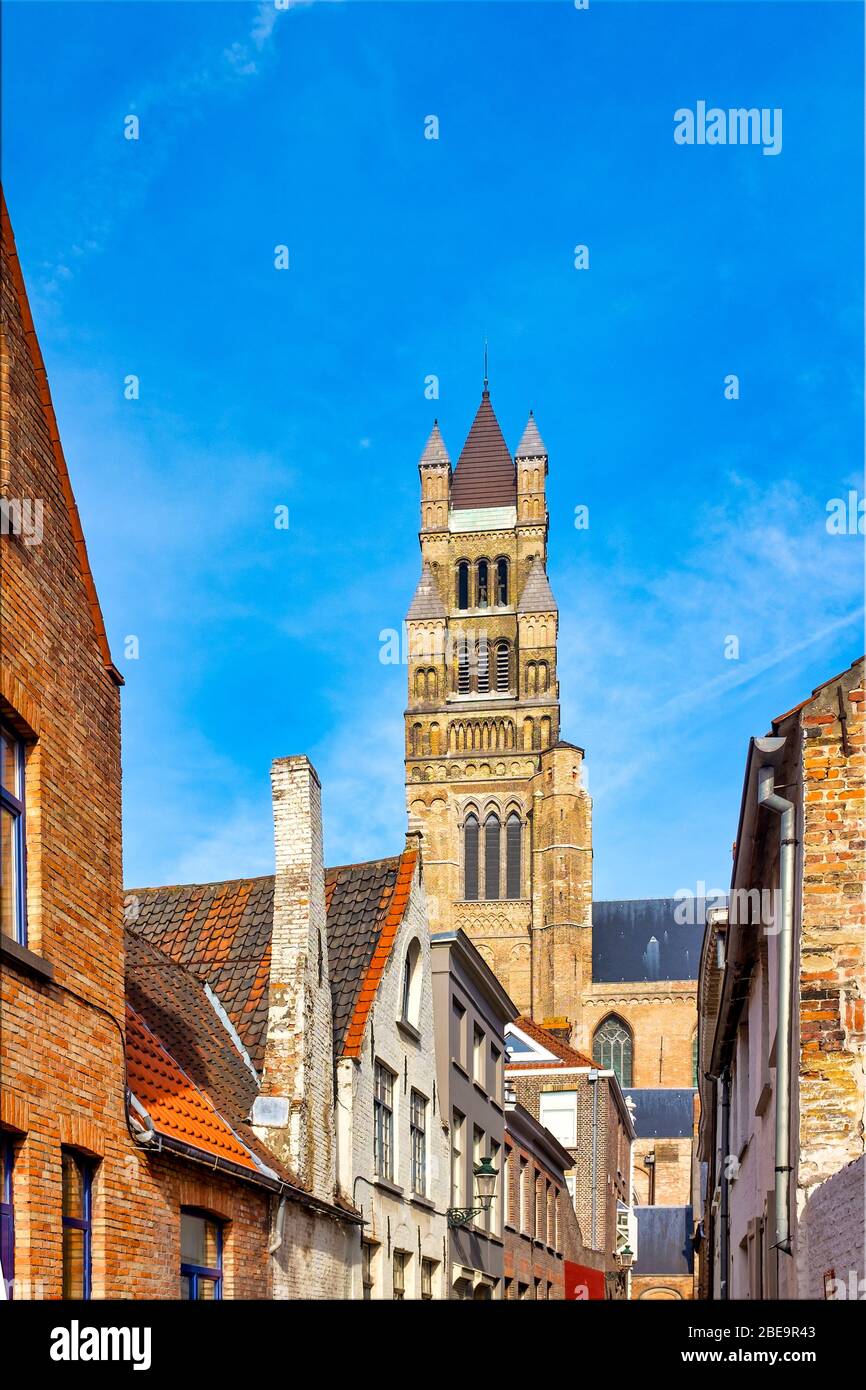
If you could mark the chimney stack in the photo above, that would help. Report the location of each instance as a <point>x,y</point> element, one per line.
<point>293,1114</point>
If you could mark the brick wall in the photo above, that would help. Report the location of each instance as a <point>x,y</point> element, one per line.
<point>831,1229</point>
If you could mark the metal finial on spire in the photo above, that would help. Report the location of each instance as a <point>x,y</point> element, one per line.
<point>486,382</point>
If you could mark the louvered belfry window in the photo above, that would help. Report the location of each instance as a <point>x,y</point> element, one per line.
<point>503,666</point>
<point>483,659</point>
<point>463,672</point>
<point>470,859</point>
<point>512,856</point>
<point>492,836</point>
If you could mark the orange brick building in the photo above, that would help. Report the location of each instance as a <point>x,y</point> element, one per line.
<point>129,1167</point>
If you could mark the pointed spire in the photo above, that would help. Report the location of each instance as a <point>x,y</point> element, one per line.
<point>531,445</point>
<point>434,450</point>
<point>537,596</point>
<point>427,602</point>
<point>485,475</point>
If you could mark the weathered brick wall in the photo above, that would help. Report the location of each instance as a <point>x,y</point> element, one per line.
<point>832,960</point>
<point>831,1235</point>
<point>299,1061</point>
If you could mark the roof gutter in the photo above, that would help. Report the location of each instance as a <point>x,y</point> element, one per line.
<point>162,1143</point>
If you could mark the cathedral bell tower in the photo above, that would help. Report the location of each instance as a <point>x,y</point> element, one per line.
<point>495,792</point>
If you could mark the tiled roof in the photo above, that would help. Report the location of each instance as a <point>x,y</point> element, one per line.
<point>531,444</point>
<point>178,1108</point>
<point>566,1055</point>
<point>171,1003</point>
<point>537,596</point>
<point>366,904</point>
<point>427,602</point>
<point>434,450</point>
<point>485,475</point>
<point>222,933</point>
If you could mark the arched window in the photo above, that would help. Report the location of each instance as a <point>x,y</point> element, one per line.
<point>612,1048</point>
<point>463,584</point>
<point>483,671</point>
<point>512,856</point>
<point>531,678</point>
<point>411,1001</point>
<point>416,740</point>
<point>502,582</point>
<point>695,1058</point>
<point>536,734</point>
<point>420,685</point>
<point>492,837</point>
<point>483,589</point>
<point>543,676</point>
<point>470,859</point>
<point>503,666</point>
<point>462,665</point>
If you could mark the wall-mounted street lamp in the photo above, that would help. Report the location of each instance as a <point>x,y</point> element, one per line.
<point>625,1257</point>
<point>485,1189</point>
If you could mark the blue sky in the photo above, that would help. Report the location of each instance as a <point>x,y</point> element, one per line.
<point>306,387</point>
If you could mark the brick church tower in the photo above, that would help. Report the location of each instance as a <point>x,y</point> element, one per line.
<point>497,795</point>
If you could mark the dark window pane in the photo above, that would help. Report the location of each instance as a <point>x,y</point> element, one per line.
<point>491,857</point>
<point>512,862</point>
<point>463,584</point>
<point>470,860</point>
<point>502,582</point>
<point>483,584</point>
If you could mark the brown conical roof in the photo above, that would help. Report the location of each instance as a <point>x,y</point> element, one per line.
<point>485,475</point>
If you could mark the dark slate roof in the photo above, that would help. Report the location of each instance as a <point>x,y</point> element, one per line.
<point>664,1240</point>
<point>485,475</point>
<point>172,1002</point>
<point>638,940</point>
<point>358,897</point>
<point>665,1113</point>
<point>222,933</point>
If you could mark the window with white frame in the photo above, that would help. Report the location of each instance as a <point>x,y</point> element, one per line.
<point>479,1069</point>
<point>558,1113</point>
<point>383,1123</point>
<point>418,1141</point>
<point>458,1129</point>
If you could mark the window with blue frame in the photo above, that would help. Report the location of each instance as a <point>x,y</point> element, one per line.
<point>13,916</point>
<point>7,1215</point>
<point>201,1255</point>
<point>77,1223</point>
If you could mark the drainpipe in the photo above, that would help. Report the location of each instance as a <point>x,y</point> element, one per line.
<point>768,797</point>
<point>724,1184</point>
<point>592,1078</point>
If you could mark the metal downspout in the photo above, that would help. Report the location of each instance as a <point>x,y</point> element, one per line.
<point>767,796</point>
<point>724,1185</point>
